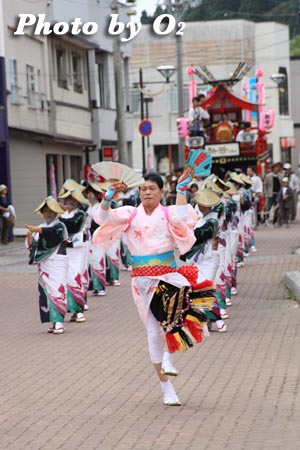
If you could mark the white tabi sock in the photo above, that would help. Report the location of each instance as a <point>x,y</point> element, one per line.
<point>167,387</point>
<point>58,325</point>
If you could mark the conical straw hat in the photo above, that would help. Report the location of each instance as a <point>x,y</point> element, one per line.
<point>206,198</point>
<point>247,180</point>
<point>70,185</point>
<point>231,191</point>
<point>52,204</point>
<point>77,195</point>
<point>99,187</point>
<point>222,184</point>
<point>235,178</point>
<point>213,187</point>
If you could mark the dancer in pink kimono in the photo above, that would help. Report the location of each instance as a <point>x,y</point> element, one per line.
<point>152,233</point>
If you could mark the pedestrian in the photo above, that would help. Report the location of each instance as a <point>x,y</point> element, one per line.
<point>152,233</point>
<point>257,193</point>
<point>272,185</point>
<point>74,219</point>
<point>294,184</point>
<point>47,245</point>
<point>285,203</point>
<point>7,215</point>
<point>196,116</point>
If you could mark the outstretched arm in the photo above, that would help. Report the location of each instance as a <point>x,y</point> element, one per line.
<point>182,185</point>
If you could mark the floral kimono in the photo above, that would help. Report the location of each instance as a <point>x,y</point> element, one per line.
<point>77,277</point>
<point>48,251</point>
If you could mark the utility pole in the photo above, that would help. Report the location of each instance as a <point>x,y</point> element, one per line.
<point>180,95</point>
<point>118,76</point>
<point>178,8</point>
<point>4,136</point>
<point>142,118</point>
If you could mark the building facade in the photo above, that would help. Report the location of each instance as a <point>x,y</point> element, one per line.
<point>220,46</point>
<point>61,101</point>
<point>295,108</point>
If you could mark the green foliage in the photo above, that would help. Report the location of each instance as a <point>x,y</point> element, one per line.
<point>287,12</point>
<point>295,46</point>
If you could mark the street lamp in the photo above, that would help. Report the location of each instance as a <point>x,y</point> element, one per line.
<point>278,78</point>
<point>166,70</point>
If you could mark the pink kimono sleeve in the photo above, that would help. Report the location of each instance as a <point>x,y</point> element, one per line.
<point>115,223</point>
<point>182,228</point>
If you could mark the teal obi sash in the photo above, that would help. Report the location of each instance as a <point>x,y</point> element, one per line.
<point>161,259</point>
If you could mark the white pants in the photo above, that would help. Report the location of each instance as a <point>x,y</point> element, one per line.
<point>156,339</point>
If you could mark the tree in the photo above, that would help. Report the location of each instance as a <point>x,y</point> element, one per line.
<point>145,19</point>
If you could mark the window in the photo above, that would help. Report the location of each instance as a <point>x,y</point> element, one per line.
<point>77,72</point>
<point>173,99</point>
<point>30,82</point>
<point>61,66</point>
<point>283,93</point>
<point>135,101</point>
<point>101,85</point>
<point>13,78</point>
<point>52,164</point>
<point>76,168</point>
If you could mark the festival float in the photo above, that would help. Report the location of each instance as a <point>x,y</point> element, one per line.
<point>221,135</point>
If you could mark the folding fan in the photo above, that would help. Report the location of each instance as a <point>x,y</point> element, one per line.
<point>201,161</point>
<point>113,171</point>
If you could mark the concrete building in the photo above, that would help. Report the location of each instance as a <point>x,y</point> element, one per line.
<point>61,101</point>
<point>219,45</point>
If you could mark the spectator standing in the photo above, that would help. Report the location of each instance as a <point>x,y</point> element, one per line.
<point>272,185</point>
<point>285,202</point>
<point>294,185</point>
<point>7,215</point>
<point>196,117</point>
<point>257,192</point>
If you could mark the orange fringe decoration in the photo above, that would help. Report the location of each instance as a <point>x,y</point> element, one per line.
<point>194,328</point>
<point>175,342</point>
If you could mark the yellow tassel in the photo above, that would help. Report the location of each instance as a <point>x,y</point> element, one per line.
<point>182,344</point>
<point>204,301</point>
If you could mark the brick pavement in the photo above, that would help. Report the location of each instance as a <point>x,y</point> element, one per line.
<point>94,389</point>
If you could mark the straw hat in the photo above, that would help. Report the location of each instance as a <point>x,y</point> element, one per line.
<point>246,180</point>
<point>99,187</point>
<point>231,191</point>
<point>52,204</point>
<point>70,185</point>
<point>211,177</point>
<point>236,178</point>
<point>222,184</point>
<point>206,198</point>
<point>77,195</point>
<point>213,187</point>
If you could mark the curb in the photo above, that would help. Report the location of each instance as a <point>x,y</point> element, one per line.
<point>292,281</point>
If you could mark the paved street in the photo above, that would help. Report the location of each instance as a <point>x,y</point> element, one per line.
<point>94,389</point>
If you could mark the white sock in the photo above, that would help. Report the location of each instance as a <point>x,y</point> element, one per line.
<point>168,357</point>
<point>167,387</point>
<point>219,323</point>
<point>58,325</point>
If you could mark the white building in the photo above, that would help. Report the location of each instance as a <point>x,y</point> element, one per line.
<point>219,45</point>
<point>61,100</point>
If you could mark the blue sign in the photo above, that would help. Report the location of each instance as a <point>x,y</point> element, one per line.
<point>145,128</point>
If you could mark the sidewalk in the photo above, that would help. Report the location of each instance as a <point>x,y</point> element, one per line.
<point>94,388</point>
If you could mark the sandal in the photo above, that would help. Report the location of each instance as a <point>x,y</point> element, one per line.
<point>60,330</point>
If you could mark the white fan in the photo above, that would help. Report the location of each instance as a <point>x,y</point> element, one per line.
<point>113,171</point>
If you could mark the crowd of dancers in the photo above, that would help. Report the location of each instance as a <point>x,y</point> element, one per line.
<point>183,258</point>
